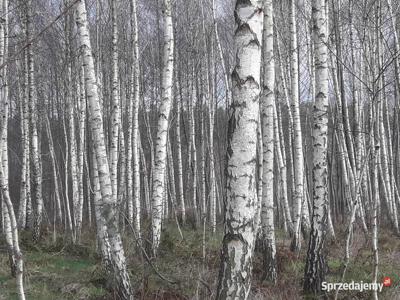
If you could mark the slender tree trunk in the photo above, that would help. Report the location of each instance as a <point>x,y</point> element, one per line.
<point>316,268</point>
<point>211,116</point>
<point>8,209</point>
<point>193,150</point>
<point>81,148</point>
<point>162,127</point>
<point>118,269</point>
<point>298,140</point>
<point>25,170</point>
<point>66,189</point>
<point>55,173</point>
<point>182,209</point>
<point>282,171</point>
<point>73,161</point>
<point>115,115</point>
<point>33,115</point>
<point>375,183</point>
<point>228,92</point>
<point>268,99</point>
<point>135,125</point>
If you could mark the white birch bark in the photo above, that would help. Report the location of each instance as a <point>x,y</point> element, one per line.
<point>118,268</point>
<point>37,172</point>
<point>25,174</point>
<point>228,91</point>
<point>193,156</point>
<point>268,99</point>
<point>12,227</point>
<point>54,169</point>
<point>241,207</point>
<point>298,158</point>
<point>182,209</point>
<point>374,216</point>
<point>69,220</point>
<point>115,114</point>
<point>73,162</point>
<point>81,148</point>
<point>316,268</point>
<point>101,227</point>
<point>135,125</point>
<point>211,116</point>
<point>282,170</point>
<point>162,126</point>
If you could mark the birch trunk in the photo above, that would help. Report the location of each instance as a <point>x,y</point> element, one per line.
<point>81,148</point>
<point>54,169</point>
<point>241,207</point>
<point>316,268</point>
<point>73,161</point>
<point>135,125</point>
<point>182,209</point>
<point>282,170</point>
<point>297,143</point>
<point>12,227</point>
<point>268,99</point>
<point>211,116</point>
<point>193,161</point>
<point>228,92</point>
<point>162,127</point>
<point>25,170</point>
<point>115,117</point>
<point>375,183</point>
<point>37,172</point>
<point>66,196</point>
<point>118,269</point>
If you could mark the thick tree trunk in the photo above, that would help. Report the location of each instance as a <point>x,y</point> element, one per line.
<point>241,207</point>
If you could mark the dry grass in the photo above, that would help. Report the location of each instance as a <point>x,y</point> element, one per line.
<point>64,271</point>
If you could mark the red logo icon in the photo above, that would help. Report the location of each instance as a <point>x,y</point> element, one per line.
<point>387,281</point>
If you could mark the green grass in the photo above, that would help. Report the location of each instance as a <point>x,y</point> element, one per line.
<point>52,272</point>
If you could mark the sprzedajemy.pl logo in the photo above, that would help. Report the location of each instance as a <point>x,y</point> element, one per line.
<point>357,286</point>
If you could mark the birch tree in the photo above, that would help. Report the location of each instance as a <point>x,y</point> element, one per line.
<point>298,140</point>
<point>315,269</point>
<point>117,265</point>
<point>135,125</point>
<point>33,115</point>
<point>162,126</point>
<point>268,98</point>
<point>115,117</point>
<point>240,212</point>
<point>10,220</point>
<point>181,196</point>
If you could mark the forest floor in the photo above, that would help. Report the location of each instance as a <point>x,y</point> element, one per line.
<point>63,271</point>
